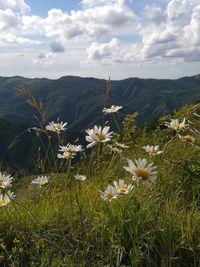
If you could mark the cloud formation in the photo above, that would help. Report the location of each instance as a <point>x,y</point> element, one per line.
<point>106,31</point>
<point>179,32</point>
<point>99,19</point>
<point>17,6</point>
<point>167,35</point>
<point>94,22</point>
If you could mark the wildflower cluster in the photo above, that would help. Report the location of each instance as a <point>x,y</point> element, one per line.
<point>141,170</point>
<point>178,126</point>
<point>69,151</point>
<point>5,195</point>
<point>113,192</point>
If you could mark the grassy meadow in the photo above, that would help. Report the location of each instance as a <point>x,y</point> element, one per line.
<point>146,214</point>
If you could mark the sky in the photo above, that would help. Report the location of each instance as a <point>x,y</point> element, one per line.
<point>100,38</point>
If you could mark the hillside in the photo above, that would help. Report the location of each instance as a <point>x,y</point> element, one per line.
<point>127,207</point>
<point>79,101</point>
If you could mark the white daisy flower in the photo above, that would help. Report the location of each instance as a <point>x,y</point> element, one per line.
<point>112,109</point>
<point>141,171</point>
<point>41,180</point>
<point>152,150</point>
<point>56,126</point>
<point>98,135</point>
<point>122,188</point>
<point>80,177</point>
<point>109,194</point>
<point>187,138</point>
<point>69,151</point>
<point>5,180</point>
<point>176,125</point>
<point>6,198</point>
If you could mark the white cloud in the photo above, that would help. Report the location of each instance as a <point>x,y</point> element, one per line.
<point>7,19</point>
<point>13,39</point>
<point>90,23</point>
<point>192,30</point>
<point>99,19</point>
<point>31,25</point>
<point>113,52</point>
<point>11,17</point>
<point>179,11</point>
<point>17,6</point>
<point>175,38</point>
<point>172,35</point>
<point>105,52</point>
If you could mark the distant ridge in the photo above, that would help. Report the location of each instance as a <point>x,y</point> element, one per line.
<point>79,101</point>
<point>90,77</point>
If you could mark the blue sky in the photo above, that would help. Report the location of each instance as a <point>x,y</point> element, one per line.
<point>41,7</point>
<point>99,38</point>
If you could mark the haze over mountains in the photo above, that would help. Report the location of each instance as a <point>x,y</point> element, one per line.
<point>79,101</point>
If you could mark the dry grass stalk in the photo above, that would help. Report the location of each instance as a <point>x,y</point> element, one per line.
<point>38,105</point>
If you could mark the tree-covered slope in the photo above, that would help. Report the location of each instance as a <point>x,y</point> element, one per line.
<point>79,101</point>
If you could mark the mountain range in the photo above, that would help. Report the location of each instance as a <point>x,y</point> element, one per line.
<point>79,101</point>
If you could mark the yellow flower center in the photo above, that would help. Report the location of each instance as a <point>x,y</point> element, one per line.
<point>177,126</point>
<point>42,183</point>
<point>67,154</point>
<point>101,136</point>
<point>109,195</point>
<point>188,138</point>
<point>122,189</point>
<point>2,202</point>
<point>57,126</point>
<point>1,182</point>
<point>142,173</point>
<point>153,151</point>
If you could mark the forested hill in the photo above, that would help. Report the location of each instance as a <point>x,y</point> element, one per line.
<point>79,101</point>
